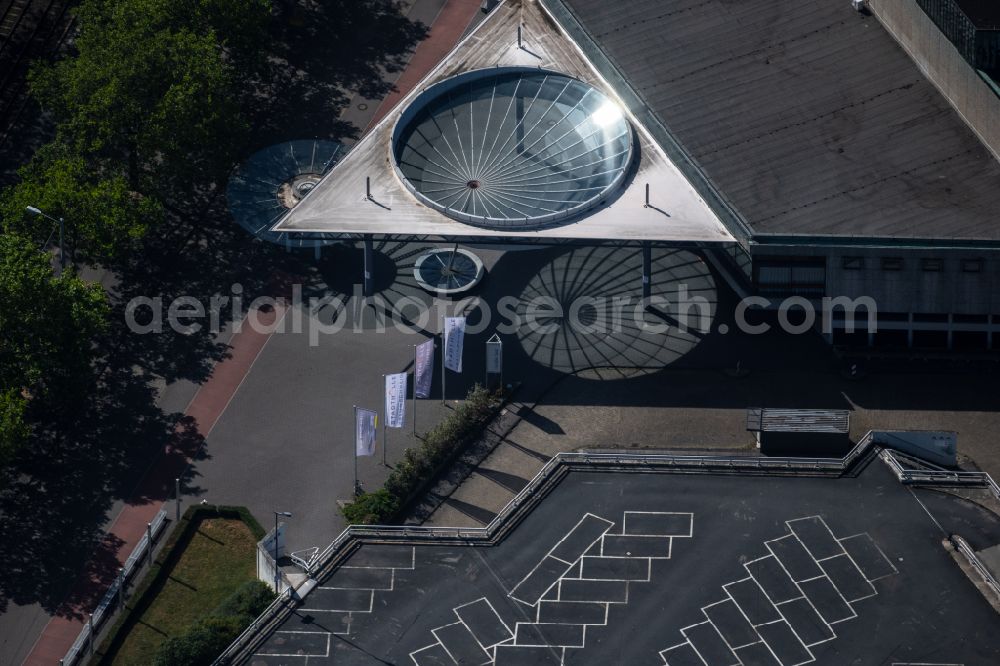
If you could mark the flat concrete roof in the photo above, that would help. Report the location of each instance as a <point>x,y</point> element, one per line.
<point>807,116</point>
<point>339,204</point>
<point>653,568</point>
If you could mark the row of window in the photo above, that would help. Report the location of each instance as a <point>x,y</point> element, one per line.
<point>927,264</point>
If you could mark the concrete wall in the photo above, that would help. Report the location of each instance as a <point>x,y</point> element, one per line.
<point>942,64</point>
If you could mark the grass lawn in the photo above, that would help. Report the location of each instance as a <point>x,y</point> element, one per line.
<point>219,558</point>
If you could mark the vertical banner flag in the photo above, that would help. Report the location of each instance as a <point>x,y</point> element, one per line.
<point>366,429</point>
<point>454,334</point>
<point>423,369</point>
<point>395,400</point>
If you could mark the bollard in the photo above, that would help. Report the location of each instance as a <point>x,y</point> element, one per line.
<point>177,498</point>
<point>149,543</point>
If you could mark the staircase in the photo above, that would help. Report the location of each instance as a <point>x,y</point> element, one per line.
<point>570,589</point>
<point>790,601</point>
<point>351,590</point>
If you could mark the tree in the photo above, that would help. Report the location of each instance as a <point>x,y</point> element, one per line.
<point>14,431</point>
<point>47,328</point>
<point>105,219</point>
<point>154,84</point>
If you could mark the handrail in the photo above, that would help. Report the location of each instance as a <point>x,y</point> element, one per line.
<point>970,555</point>
<point>119,586</point>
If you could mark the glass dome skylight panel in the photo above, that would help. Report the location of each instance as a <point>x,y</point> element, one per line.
<point>512,148</point>
<point>274,180</point>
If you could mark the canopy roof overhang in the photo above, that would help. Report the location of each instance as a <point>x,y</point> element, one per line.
<point>363,194</point>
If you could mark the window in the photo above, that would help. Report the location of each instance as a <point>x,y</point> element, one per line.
<point>972,265</point>
<point>892,263</point>
<point>854,263</point>
<point>932,265</point>
<point>792,276</point>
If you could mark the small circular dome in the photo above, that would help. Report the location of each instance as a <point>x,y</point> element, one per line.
<point>512,148</point>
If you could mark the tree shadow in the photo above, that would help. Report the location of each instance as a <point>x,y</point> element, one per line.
<point>322,53</point>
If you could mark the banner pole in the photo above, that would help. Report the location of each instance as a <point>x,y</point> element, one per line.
<point>385,422</point>
<point>414,389</point>
<point>355,446</point>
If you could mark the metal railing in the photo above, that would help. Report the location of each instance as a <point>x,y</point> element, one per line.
<point>535,490</point>
<point>115,591</point>
<point>974,561</point>
<point>938,477</point>
<point>343,546</point>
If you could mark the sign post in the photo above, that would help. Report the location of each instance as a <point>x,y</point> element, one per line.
<point>494,359</point>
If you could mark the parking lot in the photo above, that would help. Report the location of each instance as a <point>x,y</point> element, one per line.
<point>615,568</point>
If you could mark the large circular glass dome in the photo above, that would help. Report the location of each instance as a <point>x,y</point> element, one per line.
<point>512,148</point>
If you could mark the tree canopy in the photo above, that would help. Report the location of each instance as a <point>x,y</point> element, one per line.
<point>47,330</point>
<point>157,84</point>
<point>104,218</point>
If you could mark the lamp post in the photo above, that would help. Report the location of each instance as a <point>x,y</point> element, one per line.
<point>277,571</point>
<point>32,210</point>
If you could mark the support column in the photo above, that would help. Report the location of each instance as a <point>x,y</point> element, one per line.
<point>647,269</point>
<point>909,330</point>
<point>951,332</point>
<point>369,267</point>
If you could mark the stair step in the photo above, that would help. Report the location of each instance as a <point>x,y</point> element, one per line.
<point>797,561</point>
<point>640,523</point>
<point>773,579</point>
<point>784,644</point>
<point>361,579</point>
<point>572,612</point>
<point>484,623</point>
<point>615,568</point>
<point>751,600</point>
<point>636,546</point>
<point>515,655</point>
<point>432,655</point>
<point>710,645</point>
<point>731,623</point>
<point>610,591</point>
<point>358,601</point>
<point>816,536</point>
<point>827,600</point>
<point>806,622</point>
<point>557,635</point>
<point>461,645</point>
<point>681,655</point>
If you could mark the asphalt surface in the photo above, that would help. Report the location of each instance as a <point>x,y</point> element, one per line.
<point>619,568</point>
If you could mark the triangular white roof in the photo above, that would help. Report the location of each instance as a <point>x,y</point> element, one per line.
<point>339,205</point>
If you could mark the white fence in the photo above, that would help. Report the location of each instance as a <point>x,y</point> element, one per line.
<point>116,592</point>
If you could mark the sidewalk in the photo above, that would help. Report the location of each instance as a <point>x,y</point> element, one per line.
<point>662,412</point>
<point>212,398</point>
<point>156,488</point>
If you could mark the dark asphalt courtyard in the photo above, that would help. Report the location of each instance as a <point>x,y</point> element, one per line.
<point>654,568</point>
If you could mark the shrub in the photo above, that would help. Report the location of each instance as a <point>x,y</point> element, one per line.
<point>420,464</point>
<point>208,637</point>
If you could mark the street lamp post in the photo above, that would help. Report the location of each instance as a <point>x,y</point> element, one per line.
<point>277,571</point>
<point>32,210</point>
